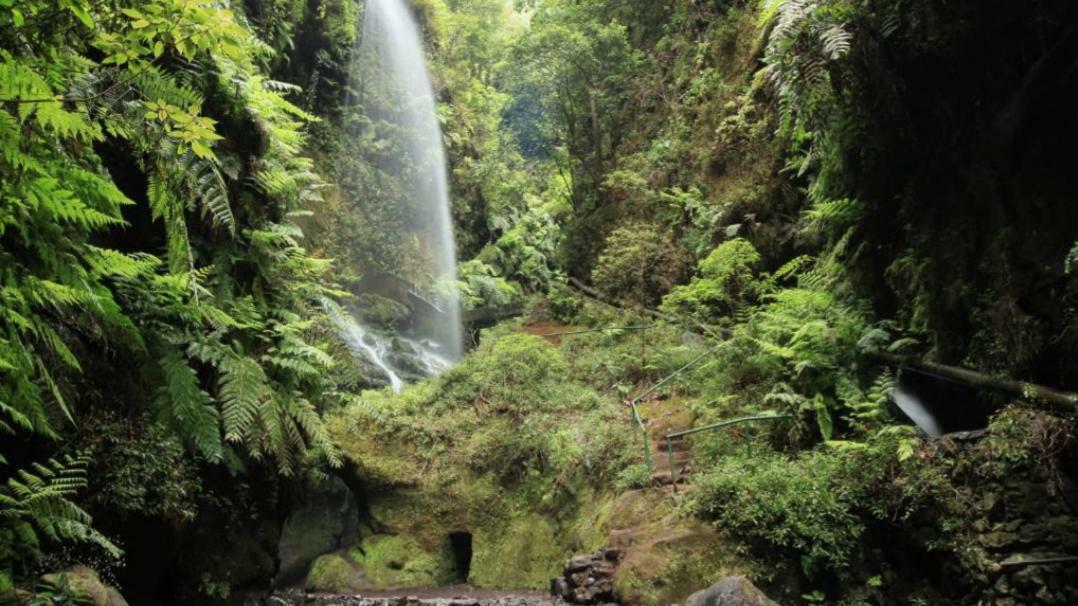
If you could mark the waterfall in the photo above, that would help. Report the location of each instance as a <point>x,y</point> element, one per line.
<point>396,357</point>
<point>916,411</point>
<point>390,123</point>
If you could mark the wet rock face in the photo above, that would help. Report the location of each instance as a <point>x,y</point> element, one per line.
<point>325,523</point>
<point>588,579</point>
<point>731,591</point>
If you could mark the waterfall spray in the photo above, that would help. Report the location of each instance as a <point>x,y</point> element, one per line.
<point>397,93</point>
<point>391,107</point>
<point>912,406</point>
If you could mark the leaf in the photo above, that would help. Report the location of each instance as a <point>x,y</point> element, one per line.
<point>201,150</point>
<point>823,418</point>
<point>81,14</point>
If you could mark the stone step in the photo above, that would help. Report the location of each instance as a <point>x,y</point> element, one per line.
<point>664,477</point>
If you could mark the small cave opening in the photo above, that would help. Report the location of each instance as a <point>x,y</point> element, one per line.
<point>460,544</point>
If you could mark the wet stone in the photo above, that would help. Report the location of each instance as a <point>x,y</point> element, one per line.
<point>588,579</point>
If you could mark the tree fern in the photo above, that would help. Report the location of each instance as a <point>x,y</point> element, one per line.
<point>219,317</point>
<point>38,501</point>
<point>186,406</point>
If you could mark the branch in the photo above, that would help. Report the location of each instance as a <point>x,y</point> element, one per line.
<point>1063,399</point>
<point>700,327</point>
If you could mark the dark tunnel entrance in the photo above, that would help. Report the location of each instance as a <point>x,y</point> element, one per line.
<point>460,543</point>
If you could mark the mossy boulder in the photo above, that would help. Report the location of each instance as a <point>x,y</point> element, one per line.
<point>382,312</point>
<point>7,588</point>
<point>731,591</point>
<point>335,573</point>
<point>324,524</point>
<point>86,581</point>
<point>667,557</point>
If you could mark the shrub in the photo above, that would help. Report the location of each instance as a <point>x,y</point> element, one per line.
<point>725,284</point>
<point>639,264</point>
<point>788,504</point>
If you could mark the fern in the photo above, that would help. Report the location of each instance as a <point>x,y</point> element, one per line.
<point>38,500</point>
<point>203,180</point>
<point>186,406</point>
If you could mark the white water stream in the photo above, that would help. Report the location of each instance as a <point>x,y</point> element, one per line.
<point>916,411</point>
<point>393,91</point>
<point>381,350</point>
<point>398,135</point>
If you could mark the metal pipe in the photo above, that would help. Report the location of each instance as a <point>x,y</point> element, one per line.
<point>671,376</point>
<point>720,425</point>
<point>670,461</point>
<point>579,332</point>
<point>636,413</point>
<point>1012,563</point>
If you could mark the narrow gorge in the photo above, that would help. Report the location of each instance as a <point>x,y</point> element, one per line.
<point>538,302</point>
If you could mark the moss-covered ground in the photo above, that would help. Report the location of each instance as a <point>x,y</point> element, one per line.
<point>528,446</point>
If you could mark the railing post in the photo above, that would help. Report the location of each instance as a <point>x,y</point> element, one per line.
<point>670,461</point>
<point>677,434</point>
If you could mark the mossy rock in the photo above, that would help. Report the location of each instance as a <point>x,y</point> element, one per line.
<point>335,573</point>
<point>325,523</point>
<point>524,553</point>
<point>86,581</point>
<point>375,310</point>
<point>7,588</point>
<point>670,563</point>
<point>396,561</point>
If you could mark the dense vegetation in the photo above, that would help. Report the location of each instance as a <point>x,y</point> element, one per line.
<point>800,189</point>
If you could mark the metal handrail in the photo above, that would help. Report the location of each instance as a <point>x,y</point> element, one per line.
<point>636,413</point>
<point>721,424</point>
<point>603,329</point>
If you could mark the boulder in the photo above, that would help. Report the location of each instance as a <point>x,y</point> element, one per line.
<point>730,591</point>
<point>335,573</point>
<point>86,580</point>
<point>324,524</point>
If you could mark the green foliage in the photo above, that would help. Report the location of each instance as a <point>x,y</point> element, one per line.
<point>725,285</point>
<point>637,475</point>
<point>506,410</point>
<point>799,506</point>
<point>639,264</point>
<point>141,469</point>
<point>59,591</point>
<point>209,295</point>
<point>36,506</point>
<point>479,284</point>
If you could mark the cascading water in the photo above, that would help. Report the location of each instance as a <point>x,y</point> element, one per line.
<point>391,120</point>
<point>916,411</point>
<point>386,353</point>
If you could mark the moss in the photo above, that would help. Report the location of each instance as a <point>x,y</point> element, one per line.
<point>380,311</point>
<point>517,447</point>
<point>524,553</point>
<point>393,561</point>
<point>7,586</point>
<point>671,562</point>
<point>334,573</point>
